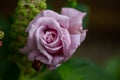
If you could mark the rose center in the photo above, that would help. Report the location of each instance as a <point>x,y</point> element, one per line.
<point>50,36</point>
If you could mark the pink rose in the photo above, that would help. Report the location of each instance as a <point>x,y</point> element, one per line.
<point>54,37</point>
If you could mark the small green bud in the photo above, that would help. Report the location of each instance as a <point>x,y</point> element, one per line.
<point>1,35</point>
<point>26,10</point>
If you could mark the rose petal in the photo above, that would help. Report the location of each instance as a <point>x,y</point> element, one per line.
<point>56,43</point>
<point>25,50</point>
<point>63,20</point>
<point>49,22</point>
<point>40,47</point>
<point>31,43</point>
<point>53,50</point>
<point>75,25</point>
<point>75,42</point>
<point>32,55</point>
<point>57,60</point>
<point>42,59</point>
<point>36,55</point>
<point>48,36</point>
<point>83,36</point>
<point>53,67</point>
<point>66,41</point>
<point>34,20</point>
<point>76,18</point>
<point>70,12</point>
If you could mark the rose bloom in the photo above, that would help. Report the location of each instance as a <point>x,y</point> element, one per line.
<point>53,38</point>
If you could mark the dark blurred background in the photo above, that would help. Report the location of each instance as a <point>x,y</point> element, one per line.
<point>103,38</point>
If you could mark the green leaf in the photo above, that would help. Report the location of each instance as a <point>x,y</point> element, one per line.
<point>76,69</point>
<point>113,67</point>
<point>53,75</point>
<point>68,73</point>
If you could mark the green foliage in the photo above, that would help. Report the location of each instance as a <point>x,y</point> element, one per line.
<point>68,73</point>
<point>26,10</point>
<point>46,75</point>
<point>76,69</point>
<point>113,67</point>
<point>71,3</point>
